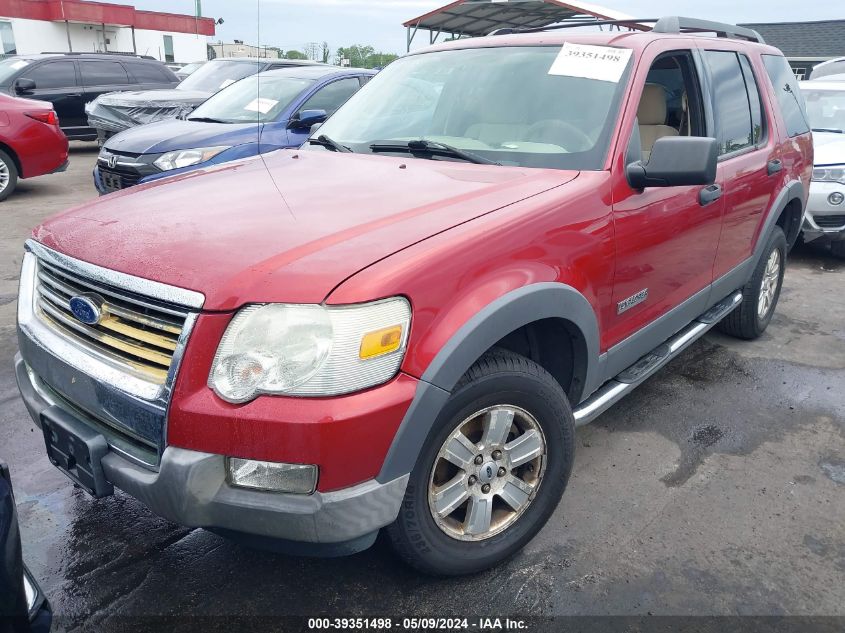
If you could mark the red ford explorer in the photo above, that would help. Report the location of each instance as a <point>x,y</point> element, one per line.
<point>400,325</point>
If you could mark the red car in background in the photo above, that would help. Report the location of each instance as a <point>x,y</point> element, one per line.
<point>31,142</point>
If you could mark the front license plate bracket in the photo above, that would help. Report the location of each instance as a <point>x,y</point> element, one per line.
<point>76,450</point>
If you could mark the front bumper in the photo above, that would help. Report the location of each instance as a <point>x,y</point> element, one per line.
<point>190,488</point>
<point>822,218</point>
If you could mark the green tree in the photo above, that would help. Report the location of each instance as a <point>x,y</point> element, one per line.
<point>359,56</point>
<point>295,55</point>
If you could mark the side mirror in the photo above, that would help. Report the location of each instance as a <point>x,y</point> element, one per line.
<point>307,118</point>
<point>676,161</point>
<point>24,86</point>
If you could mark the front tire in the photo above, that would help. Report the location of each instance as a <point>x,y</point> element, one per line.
<point>760,295</point>
<point>8,175</point>
<point>491,471</point>
<point>837,249</point>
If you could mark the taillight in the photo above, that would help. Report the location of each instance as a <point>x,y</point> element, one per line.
<point>49,117</point>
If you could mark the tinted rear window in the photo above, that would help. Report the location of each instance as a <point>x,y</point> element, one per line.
<point>97,73</point>
<point>789,97</point>
<point>151,73</point>
<point>730,101</point>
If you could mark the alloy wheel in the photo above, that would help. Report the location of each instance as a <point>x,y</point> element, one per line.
<point>487,473</point>
<point>769,285</point>
<point>4,176</point>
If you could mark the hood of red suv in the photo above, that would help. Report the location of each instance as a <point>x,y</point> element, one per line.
<point>287,227</point>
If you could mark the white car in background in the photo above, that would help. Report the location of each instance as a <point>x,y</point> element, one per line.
<point>825,217</point>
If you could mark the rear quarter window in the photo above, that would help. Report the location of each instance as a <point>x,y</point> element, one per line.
<point>789,97</point>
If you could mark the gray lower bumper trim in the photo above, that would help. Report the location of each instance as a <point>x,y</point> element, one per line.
<point>190,488</point>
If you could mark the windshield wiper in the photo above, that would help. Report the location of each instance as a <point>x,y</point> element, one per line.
<point>828,129</point>
<point>430,147</point>
<point>330,143</point>
<point>205,119</point>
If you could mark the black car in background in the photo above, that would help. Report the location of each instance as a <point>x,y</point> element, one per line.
<point>70,80</point>
<point>23,608</point>
<point>113,113</point>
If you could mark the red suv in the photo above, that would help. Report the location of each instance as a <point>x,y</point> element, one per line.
<point>401,324</point>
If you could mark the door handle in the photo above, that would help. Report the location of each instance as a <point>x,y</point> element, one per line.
<point>709,194</point>
<point>774,167</point>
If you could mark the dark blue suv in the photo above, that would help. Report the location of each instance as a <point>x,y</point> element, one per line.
<point>261,113</point>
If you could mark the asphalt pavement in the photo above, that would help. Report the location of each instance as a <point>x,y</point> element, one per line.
<point>717,488</point>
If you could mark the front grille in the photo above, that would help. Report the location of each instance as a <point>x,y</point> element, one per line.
<point>115,180</point>
<point>830,221</point>
<point>137,333</point>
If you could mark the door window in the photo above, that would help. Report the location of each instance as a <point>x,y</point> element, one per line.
<point>671,102</point>
<point>731,103</point>
<point>788,95</point>
<point>53,75</point>
<point>97,73</point>
<point>150,73</point>
<point>334,95</point>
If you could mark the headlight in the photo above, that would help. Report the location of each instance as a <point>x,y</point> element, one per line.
<point>829,174</point>
<point>310,350</point>
<point>186,157</point>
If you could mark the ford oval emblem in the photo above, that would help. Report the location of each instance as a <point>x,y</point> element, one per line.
<point>86,309</point>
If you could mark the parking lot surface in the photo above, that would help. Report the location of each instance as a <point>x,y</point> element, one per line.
<point>718,487</point>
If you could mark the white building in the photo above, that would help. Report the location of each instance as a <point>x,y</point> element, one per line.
<point>38,26</point>
<point>239,49</point>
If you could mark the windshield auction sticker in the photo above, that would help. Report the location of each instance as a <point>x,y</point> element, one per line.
<point>261,105</point>
<point>602,63</point>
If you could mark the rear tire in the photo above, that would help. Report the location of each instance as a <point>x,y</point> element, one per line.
<point>505,396</point>
<point>8,175</point>
<point>760,295</point>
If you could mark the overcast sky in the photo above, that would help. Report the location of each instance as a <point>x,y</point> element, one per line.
<point>291,23</point>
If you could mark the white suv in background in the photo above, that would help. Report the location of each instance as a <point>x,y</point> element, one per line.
<point>825,217</point>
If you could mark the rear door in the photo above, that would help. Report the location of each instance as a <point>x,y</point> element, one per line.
<point>56,81</point>
<point>750,169</point>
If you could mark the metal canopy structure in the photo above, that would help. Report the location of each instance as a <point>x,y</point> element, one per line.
<point>475,18</point>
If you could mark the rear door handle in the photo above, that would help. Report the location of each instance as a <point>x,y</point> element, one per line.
<point>774,167</point>
<point>709,194</point>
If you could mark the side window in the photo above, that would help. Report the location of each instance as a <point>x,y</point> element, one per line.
<point>758,115</point>
<point>149,73</point>
<point>331,97</point>
<point>53,75</point>
<point>730,102</point>
<point>97,73</point>
<point>788,95</point>
<point>671,102</point>
<point>364,79</point>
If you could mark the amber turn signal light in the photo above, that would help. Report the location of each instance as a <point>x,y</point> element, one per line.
<point>381,342</point>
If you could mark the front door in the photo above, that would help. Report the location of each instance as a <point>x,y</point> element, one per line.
<point>57,82</point>
<point>666,237</point>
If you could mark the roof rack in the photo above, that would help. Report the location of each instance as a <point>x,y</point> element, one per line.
<point>669,24</point>
<point>119,53</point>
<point>674,24</point>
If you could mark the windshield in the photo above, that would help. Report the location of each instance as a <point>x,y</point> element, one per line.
<point>825,108</point>
<point>255,99</point>
<point>508,105</point>
<point>218,74</point>
<point>10,66</point>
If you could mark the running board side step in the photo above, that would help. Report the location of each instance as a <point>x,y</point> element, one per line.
<point>617,388</point>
